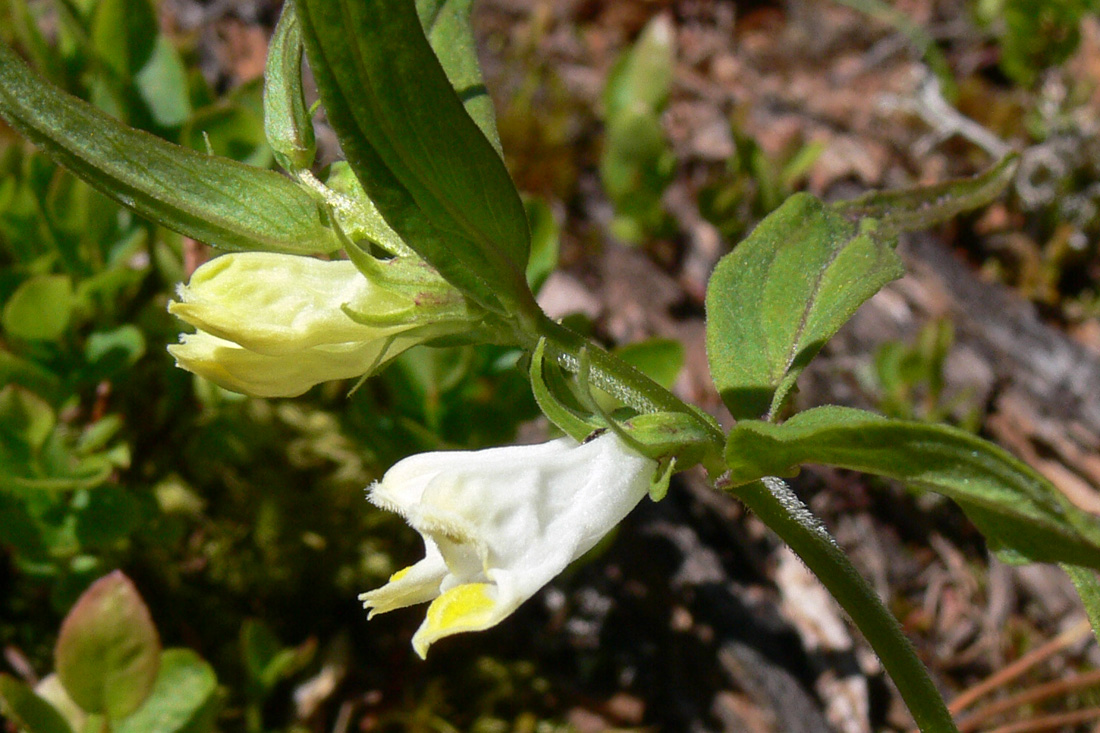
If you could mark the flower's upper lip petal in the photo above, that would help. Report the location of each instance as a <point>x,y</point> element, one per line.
<point>279,304</point>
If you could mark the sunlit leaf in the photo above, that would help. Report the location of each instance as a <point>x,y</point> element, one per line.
<point>776,299</point>
<point>425,164</point>
<point>212,199</point>
<point>1018,510</point>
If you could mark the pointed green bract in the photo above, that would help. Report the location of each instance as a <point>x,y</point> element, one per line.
<point>1018,511</point>
<point>422,160</point>
<point>208,198</point>
<point>286,117</point>
<point>776,299</point>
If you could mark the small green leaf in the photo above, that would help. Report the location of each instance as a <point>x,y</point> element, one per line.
<point>286,118</point>
<point>108,650</point>
<point>25,418</point>
<point>182,699</point>
<point>267,661</point>
<point>545,242</point>
<point>1088,588</point>
<point>118,349</point>
<point>1016,508</point>
<point>162,85</point>
<point>40,308</point>
<point>123,35</point>
<point>660,359</point>
<point>776,299</point>
<point>642,77</point>
<point>423,161</point>
<point>212,199</point>
<point>27,710</point>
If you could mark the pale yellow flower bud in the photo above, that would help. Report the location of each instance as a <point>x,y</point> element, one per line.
<point>274,325</point>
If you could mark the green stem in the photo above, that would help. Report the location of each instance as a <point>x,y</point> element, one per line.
<point>613,375</point>
<point>780,509</point>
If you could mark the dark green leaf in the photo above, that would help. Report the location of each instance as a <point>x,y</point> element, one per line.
<point>211,199</point>
<point>108,651</point>
<point>1016,508</point>
<point>286,118</point>
<point>776,299</point>
<point>27,710</point>
<point>423,161</point>
<point>124,34</point>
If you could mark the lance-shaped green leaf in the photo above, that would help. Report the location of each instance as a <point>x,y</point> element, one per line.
<point>776,299</point>
<point>423,161</point>
<point>912,209</point>
<point>212,199</point>
<point>447,25</point>
<point>286,117</point>
<point>1018,510</point>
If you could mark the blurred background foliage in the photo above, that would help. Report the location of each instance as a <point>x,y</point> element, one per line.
<point>243,522</point>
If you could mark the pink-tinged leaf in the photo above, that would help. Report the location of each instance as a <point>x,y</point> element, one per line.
<point>108,651</point>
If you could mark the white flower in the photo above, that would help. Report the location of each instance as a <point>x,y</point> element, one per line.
<point>498,524</point>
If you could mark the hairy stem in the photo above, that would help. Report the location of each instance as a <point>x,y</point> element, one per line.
<point>774,502</point>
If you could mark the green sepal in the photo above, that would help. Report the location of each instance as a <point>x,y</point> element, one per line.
<point>674,435</point>
<point>571,422</point>
<point>287,121</point>
<point>208,198</point>
<point>427,166</point>
<point>355,214</point>
<point>658,487</point>
<point>1014,507</point>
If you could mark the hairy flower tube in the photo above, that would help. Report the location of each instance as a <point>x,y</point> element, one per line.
<point>274,325</point>
<point>498,524</point>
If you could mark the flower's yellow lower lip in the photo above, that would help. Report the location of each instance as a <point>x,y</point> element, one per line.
<point>469,607</point>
